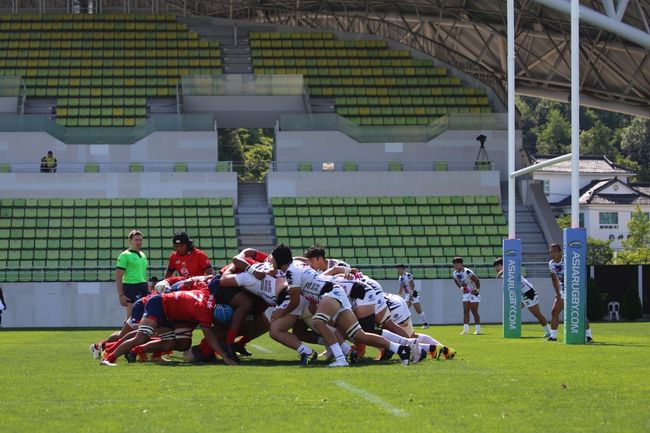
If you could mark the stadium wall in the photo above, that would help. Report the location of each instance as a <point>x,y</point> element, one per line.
<point>402,183</point>
<point>162,146</point>
<point>119,185</point>
<point>61,305</point>
<point>324,146</point>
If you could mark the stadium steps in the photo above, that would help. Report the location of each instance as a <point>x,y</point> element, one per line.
<point>253,218</point>
<point>535,248</point>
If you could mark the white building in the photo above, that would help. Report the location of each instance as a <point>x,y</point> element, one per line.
<point>607,200</point>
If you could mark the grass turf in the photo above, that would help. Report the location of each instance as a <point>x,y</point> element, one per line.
<point>49,383</point>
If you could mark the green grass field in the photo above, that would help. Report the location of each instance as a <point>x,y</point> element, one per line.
<point>49,383</point>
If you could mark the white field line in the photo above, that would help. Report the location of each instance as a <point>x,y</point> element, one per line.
<point>261,349</point>
<point>372,398</point>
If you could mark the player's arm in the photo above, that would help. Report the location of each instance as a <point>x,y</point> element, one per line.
<point>170,269</point>
<point>294,300</point>
<point>213,341</point>
<point>301,259</point>
<point>240,259</point>
<point>335,270</point>
<point>476,280</point>
<point>460,286</point>
<point>412,284</point>
<point>119,273</point>
<point>556,284</point>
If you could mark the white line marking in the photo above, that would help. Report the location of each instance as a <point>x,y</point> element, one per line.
<point>371,398</point>
<point>261,349</point>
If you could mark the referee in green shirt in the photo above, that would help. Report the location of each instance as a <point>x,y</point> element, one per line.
<point>131,273</point>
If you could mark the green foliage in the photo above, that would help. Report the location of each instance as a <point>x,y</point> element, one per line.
<point>631,308</point>
<point>597,141</point>
<point>250,150</point>
<point>555,136</point>
<point>639,256</point>
<point>638,230</point>
<point>564,221</point>
<point>599,252</point>
<point>594,301</point>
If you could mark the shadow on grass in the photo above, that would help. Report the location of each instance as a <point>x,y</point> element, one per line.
<point>265,363</point>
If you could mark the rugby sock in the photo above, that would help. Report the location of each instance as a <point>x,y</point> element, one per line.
<point>345,347</point>
<point>205,349</point>
<point>553,333</point>
<point>466,327</point>
<point>547,329</point>
<point>230,337</point>
<point>426,339</point>
<point>423,317</point>
<point>394,347</point>
<point>337,352</point>
<point>588,333</point>
<point>392,337</point>
<point>306,350</point>
<point>478,328</point>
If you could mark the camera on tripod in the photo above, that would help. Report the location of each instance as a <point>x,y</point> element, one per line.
<point>481,139</point>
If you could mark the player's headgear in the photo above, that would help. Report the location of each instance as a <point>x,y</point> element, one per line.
<point>401,265</point>
<point>282,255</point>
<point>457,259</point>
<point>223,313</point>
<point>182,238</point>
<point>498,261</point>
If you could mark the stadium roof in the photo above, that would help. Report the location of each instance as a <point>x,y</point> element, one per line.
<point>471,36</point>
<point>599,165</point>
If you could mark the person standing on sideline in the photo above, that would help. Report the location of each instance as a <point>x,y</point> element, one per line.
<point>187,260</point>
<point>407,287</point>
<point>131,273</point>
<point>3,305</point>
<point>470,285</point>
<point>48,163</point>
<point>556,269</point>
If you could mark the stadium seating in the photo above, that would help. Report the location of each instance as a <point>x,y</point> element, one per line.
<point>101,68</point>
<point>372,84</point>
<point>66,235</point>
<point>390,230</point>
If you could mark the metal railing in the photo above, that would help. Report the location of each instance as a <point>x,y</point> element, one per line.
<point>106,135</point>
<point>242,85</point>
<point>339,166</point>
<point>124,167</point>
<point>383,134</point>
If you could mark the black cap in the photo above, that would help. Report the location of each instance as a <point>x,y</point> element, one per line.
<point>181,238</point>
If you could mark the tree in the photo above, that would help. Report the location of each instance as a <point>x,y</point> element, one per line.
<point>597,141</point>
<point>555,135</point>
<point>635,145</point>
<point>599,252</point>
<point>638,230</point>
<point>564,221</point>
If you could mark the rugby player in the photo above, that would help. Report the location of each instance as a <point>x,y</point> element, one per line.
<point>411,296</point>
<point>470,285</point>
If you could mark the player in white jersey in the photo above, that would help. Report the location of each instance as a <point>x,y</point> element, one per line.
<point>332,304</point>
<point>556,269</point>
<point>470,285</point>
<point>411,295</point>
<point>529,298</point>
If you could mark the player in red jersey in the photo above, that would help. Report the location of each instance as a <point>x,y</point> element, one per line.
<point>162,310</point>
<point>187,260</point>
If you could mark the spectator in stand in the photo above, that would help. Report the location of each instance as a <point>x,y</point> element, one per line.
<point>48,163</point>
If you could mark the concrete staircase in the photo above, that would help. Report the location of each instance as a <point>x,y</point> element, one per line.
<point>235,49</point>
<point>253,217</point>
<point>533,243</point>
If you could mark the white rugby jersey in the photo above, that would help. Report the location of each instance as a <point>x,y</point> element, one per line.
<point>525,284</point>
<point>464,278</point>
<point>311,283</point>
<point>265,288</point>
<point>405,282</point>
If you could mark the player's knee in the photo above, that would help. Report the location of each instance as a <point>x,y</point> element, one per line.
<point>320,320</point>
